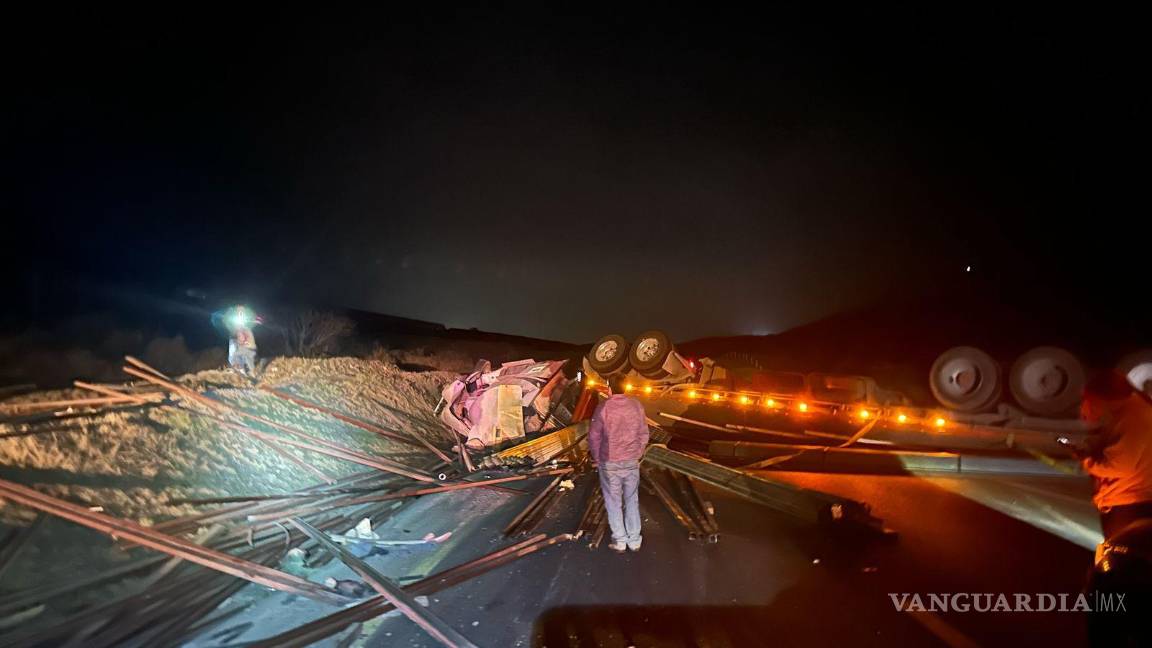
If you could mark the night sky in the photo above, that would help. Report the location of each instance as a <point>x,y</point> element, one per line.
<point>565,176</point>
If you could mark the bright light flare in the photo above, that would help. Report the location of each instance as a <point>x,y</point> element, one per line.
<point>803,407</point>
<point>940,422</point>
<point>902,418</point>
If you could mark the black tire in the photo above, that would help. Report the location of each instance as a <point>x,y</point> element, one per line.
<point>649,350</point>
<point>609,355</point>
<point>1047,381</point>
<point>966,379</point>
<point>656,374</point>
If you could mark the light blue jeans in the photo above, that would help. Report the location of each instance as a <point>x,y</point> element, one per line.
<point>620,483</point>
<point>242,359</point>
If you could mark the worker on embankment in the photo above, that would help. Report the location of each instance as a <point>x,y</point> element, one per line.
<point>617,438</point>
<point>238,321</point>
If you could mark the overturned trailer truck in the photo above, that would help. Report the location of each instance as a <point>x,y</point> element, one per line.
<point>736,395</point>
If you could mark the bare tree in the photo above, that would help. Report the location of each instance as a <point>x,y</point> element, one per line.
<point>312,333</point>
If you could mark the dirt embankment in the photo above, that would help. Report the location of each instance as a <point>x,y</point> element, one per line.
<point>132,460</point>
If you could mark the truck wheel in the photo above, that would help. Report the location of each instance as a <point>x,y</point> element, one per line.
<point>659,373</point>
<point>609,355</point>
<point>1047,381</point>
<point>650,350</point>
<point>965,379</point>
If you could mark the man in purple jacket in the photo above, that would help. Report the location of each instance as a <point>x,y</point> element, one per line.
<point>617,438</point>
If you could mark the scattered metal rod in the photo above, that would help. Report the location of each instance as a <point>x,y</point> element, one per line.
<point>100,389</point>
<point>707,516</point>
<point>314,631</point>
<point>807,433</point>
<point>176,629</point>
<point>393,435</point>
<point>328,449</point>
<point>413,440</point>
<point>399,495</point>
<point>709,426</point>
<point>173,591</point>
<point>322,446</point>
<point>537,516</point>
<point>95,618</point>
<point>513,527</point>
<point>146,367</point>
<point>15,542</point>
<point>690,525</point>
<point>875,461</point>
<point>272,443</point>
<point>203,625</point>
<point>13,408</point>
<point>311,443</point>
<point>805,504</point>
<point>465,460</point>
<point>169,544</point>
<point>16,600</point>
<point>579,438</point>
<point>154,616</point>
<point>545,446</point>
<point>22,599</point>
<point>401,600</point>
<point>694,506</point>
<point>291,496</point>
<point>682,494</point>
<point>593,508</point>
<point>598,534</point>
<point>180,524</point>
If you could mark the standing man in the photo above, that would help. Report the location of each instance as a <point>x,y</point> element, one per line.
<point>241,342</point>
<point>1119,458</point>
<point>617,438</point>
<point>1119,454</point>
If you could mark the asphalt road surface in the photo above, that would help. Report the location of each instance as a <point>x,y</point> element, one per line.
<point>773,581</point>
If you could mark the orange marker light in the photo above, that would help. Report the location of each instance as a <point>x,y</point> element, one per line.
<point>940,422</point>
<point>715,397</point>
<point>591,383</point>
<point>628,387</point>
<point>648,389</point>
<point>744,400</point>
<point>865,413</point>
<point>803,407</point>
<point>901,418</point>
<point>770,403</point>
<point>692,394</point>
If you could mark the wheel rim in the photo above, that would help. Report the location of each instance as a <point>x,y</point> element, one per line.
<point>963,378</point>
<point>647,349</point>
<point>1043,379</point>
<point>606,351</point>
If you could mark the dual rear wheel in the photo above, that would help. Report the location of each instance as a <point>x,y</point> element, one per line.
<point>1046,381</point>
